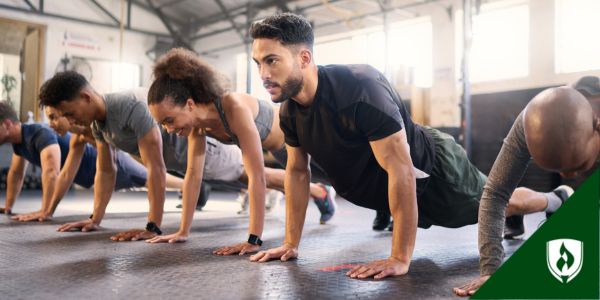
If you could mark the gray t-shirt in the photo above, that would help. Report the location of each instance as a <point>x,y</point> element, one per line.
<point>508,169</point>
<point>127,121</point>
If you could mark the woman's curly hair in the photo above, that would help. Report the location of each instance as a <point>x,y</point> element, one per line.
<point>180,74</point>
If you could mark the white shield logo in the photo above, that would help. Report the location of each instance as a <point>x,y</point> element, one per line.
<point>564,258</point>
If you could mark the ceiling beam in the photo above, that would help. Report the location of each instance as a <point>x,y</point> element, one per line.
<point>73,19</point>
<point>128,24</point>
<point>179,39</point>
<point>145,7</point>
<point>170,3</point>
<point>390,8</point>
<point>30,5</point>
<point>259,6</point>
<point>231,21</point>
<point>105,11</point>
<point>241,10</point>
<point>211,33</point>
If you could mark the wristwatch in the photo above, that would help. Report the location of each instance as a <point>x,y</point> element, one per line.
<point>254,240</point>
<point>151,226</point>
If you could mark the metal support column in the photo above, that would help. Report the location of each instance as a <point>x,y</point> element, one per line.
<point>466,84</point>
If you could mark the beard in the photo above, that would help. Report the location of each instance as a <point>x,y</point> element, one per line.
<point>291,87</point>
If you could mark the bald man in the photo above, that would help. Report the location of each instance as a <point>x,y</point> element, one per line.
<point>560,130</point>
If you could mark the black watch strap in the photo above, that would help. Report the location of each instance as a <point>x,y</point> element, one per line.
<point>254,240</point>
<point>151,226</point>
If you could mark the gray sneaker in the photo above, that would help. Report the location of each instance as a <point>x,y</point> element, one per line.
<point>563,192</point>
<point>272,200</point>
<point>244,203</point>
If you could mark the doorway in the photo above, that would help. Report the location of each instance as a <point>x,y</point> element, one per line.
<point>21,66</point>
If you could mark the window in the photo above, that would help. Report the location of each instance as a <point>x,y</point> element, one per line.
<point>577,43</point>
<point>125,76</point>
<point>410,50</point>
<point>500,46</point>
<point>256,86</point>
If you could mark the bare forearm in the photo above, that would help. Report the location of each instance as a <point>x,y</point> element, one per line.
<point>296,191</point>
<point>403,206</point>
<point>256,190</point>
<point>63,184</point>
<point>156,193</point>
<point>13,189</point>
<point>104,184</point>
<point>191,191</point>
<point>49,179</point>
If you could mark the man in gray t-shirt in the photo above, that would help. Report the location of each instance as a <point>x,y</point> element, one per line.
<point>127,121</point>
<point>560,130</point>
<point>119,121</point>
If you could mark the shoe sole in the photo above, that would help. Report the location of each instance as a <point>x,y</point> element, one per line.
<point>515,237</point>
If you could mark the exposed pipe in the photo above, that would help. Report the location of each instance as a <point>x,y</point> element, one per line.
<point>387,39</point>
<point>466,83</point>
<point>121,30</point>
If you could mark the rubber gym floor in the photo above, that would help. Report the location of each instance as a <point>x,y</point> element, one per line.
<point>40,263</point>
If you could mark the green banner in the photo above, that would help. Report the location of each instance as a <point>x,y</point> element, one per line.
<point>560,260</point>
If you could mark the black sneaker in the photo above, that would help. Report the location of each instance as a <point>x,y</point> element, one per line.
<point>179,196</point>
<point>382,220</point>
<point>391,226</point>
<point>563,192</point>
<point>202,197</point>
<point>514,228</point>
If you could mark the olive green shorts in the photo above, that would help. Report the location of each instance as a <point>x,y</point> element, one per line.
<point>451,198</point>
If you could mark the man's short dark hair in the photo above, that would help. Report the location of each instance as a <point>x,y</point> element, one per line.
<point>63,86</point>
<point>7,112</point>
<point>287,28</point>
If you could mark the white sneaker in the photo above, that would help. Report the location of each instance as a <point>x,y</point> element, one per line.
<point>242,199</point>
<point>563,192</point>
<point>273,199</point>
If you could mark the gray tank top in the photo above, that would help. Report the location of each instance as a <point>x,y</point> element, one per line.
<point>263,121</point>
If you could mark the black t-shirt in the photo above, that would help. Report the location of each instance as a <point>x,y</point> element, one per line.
<point>354,105</point>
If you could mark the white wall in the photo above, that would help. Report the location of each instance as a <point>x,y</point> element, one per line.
<point>541,61</point>
<point>446,88</point>
<point>107,39</point>
<point>541,55</point>
<point>445,91</point>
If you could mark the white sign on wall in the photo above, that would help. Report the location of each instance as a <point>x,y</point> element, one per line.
<point>80,41</point>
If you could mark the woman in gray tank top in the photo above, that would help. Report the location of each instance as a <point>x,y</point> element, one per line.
<point>190,98</point>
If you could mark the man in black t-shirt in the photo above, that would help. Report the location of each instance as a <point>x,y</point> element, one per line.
<point>353,124</point>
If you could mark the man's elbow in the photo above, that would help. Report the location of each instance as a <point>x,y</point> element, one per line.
<point>405,172</point>
<point>156,166</point>
<point>51,172</point>
<point>302,172</point>
<point>108,169</point>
